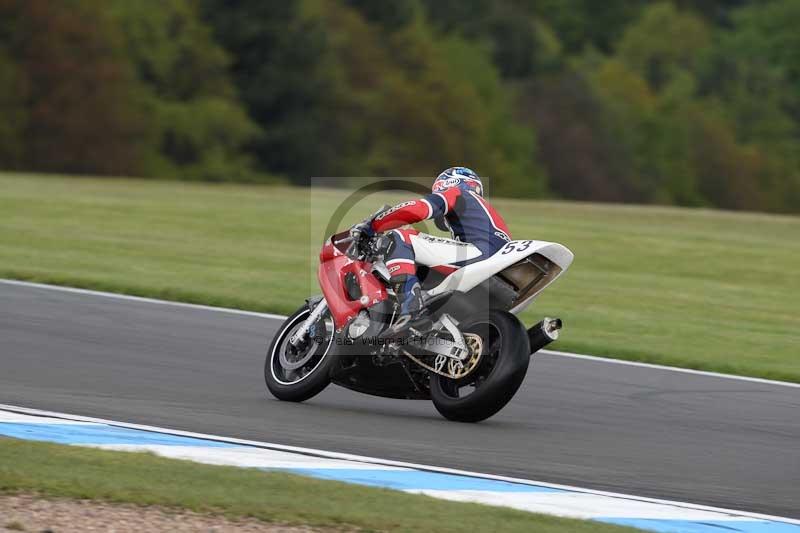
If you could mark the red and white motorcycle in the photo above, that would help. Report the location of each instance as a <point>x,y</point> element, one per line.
<point>470,359</point>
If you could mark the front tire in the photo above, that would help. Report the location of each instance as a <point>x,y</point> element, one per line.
<point>491,385</point>
<point>298,375</point>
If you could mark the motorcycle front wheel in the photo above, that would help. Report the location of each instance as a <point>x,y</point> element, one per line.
<point>503,363</point>
<point>297,374</point>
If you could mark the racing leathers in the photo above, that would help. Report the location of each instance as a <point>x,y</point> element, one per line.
<point>477,229</point>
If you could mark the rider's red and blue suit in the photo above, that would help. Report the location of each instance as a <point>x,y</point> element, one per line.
<point>471,218</point>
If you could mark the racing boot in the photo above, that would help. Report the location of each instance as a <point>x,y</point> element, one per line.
<point>412,313</point>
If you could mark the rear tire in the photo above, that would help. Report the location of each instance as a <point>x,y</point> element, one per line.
<point>296,377</point>
<point>498,376</point>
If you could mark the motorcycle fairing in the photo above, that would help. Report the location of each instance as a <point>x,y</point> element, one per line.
<point>334,267</point>
<point>528,265</point>
<point>439,253</point>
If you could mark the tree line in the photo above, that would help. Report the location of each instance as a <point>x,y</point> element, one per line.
<point>686,102</point>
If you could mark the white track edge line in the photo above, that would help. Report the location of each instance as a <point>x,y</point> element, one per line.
<point>389,462</point>
<point>670,368</point>
<point>90,292</point>
<point>555,353</point>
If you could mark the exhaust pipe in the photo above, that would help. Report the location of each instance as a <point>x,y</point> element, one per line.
<point>544,333</point>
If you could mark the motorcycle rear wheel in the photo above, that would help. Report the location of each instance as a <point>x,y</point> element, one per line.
<point>298,375</point>
<point>491,385</point>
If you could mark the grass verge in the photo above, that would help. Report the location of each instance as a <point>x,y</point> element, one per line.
<point>144,479</point>
<point>702,289</point>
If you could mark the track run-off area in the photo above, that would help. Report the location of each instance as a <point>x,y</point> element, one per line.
<point>606,425</point>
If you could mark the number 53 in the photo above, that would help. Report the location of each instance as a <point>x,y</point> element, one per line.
<point>516,246</point>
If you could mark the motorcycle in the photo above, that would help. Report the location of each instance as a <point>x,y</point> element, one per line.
<point>469,359</point>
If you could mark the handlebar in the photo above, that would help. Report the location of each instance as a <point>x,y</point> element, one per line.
<point>352,252</point>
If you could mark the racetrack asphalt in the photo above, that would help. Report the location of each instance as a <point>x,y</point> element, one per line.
<point>644,431</point>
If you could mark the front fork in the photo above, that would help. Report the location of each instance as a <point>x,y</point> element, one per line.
<point>299,336</point>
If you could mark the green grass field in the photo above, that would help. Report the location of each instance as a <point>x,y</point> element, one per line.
<point>144,479</point>
<point>695,288</point>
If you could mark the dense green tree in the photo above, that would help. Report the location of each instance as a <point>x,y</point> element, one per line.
<point>648,90</point>
<point>390,15</point>
<point>759,56</point>
<point>520,43</point>
<point>462,16</point>
<point>648,93</point>
<point>582,158</point>
<point>581,24</point>
<point>731,175</point>
<point>663,43</point>
<point>381,93</point>
<point>694,140</point>
<point>521,46</point>
<point>12,109</point>
<point>197,129</point>
<point>753,74</point>
<point>429,102</point>
<point>282,68</point>
<point>714,11</point>
<point>72,88</point>
<point>767,32</point>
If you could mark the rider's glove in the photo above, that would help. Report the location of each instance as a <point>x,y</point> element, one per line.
<point>361,234</point>
<point>362,231</point>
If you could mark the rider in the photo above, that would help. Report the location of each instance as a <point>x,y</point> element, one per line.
<point>457,203</point>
